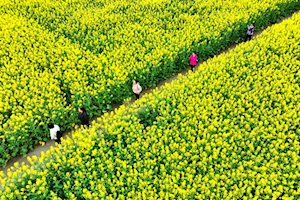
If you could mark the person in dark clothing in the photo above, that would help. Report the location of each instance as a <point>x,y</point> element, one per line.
<point>83,116</point>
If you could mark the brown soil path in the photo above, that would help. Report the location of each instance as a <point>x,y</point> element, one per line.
<point>38,149</point>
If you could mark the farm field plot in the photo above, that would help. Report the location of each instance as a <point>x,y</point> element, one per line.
<point>228,131</point>
<point>58,55</point>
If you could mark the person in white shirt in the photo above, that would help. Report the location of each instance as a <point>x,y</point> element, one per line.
<point>250,32</point>
<point>54,132</point>
<point>136,88</point>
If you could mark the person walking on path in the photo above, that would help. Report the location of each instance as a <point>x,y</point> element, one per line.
<point>83,116</point>
<point>193,61</point>
<point>250,32</point>
<point>55,133</point>
<point>136,88</point>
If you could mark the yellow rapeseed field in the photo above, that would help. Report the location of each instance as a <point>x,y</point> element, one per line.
<point>58,55</point>
<point>228,131</point>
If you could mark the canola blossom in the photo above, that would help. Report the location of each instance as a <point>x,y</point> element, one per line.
<point>228,131</point>
<point>37,68</point>
<point>58,55</point>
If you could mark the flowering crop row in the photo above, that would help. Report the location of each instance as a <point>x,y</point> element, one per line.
<point>150,40</point>
<point>43,78</point>
<point>57,55</point>
<point>228,131</point>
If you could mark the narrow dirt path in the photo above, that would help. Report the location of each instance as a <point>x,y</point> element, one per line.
<point>38,149</point>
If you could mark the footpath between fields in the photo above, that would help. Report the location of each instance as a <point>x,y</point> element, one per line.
<point>42,148</point>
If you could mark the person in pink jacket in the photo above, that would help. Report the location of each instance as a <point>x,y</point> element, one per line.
<point>193,61</point>
<point>136,88</point>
